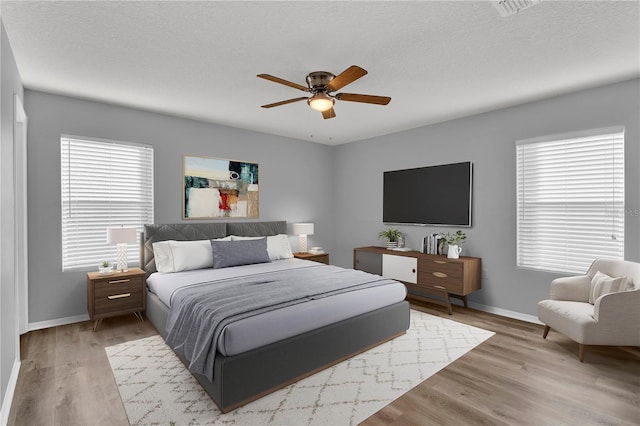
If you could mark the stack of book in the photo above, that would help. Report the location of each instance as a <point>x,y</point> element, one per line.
<point>431,244</point>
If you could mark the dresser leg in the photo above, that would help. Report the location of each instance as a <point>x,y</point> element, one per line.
<point>139,316</point>
<point>448,303</point>
<point>96,324</point>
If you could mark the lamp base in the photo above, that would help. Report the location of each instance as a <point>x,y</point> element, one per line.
<point>302,244</point>
<point>121,257</point>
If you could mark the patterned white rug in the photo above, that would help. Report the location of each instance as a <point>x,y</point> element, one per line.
<point>156,388</point>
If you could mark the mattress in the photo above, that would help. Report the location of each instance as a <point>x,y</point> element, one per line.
<point>266,328</point>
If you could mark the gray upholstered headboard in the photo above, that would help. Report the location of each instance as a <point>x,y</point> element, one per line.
<point>200,231</point>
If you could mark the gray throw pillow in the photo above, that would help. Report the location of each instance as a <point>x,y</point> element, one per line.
<point>236,253</point>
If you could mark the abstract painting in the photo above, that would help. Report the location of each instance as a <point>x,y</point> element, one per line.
<point>216,188</point>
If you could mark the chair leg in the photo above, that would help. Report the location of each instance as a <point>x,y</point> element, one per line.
<point>546,331</point>
<point>581,349</point>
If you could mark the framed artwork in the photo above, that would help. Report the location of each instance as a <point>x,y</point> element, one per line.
<point>215,188</point>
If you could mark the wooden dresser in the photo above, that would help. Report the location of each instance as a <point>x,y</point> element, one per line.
<point>116,294</point>
<point>424,274</point>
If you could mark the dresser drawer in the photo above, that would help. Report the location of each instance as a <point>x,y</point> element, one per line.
<point>441,274</point>
<point>441,266</point>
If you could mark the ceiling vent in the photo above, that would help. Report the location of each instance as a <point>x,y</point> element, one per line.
<point>511,7</point>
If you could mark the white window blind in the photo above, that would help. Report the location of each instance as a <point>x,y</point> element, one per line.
<point>570,202</point>
<point>104,183</point>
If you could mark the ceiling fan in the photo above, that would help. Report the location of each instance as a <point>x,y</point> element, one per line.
<point>321,84</point>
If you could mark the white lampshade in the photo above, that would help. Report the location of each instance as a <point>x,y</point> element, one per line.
<point>121,235</point>
<point>302,229</point>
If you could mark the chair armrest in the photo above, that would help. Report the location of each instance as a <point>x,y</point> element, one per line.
<point>621,308</point>
<point>575,289</point>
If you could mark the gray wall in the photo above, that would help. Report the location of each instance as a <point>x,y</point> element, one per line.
<point>488,140</point>
<point>345,197</point>
<point>10,84</point>
<point>287,189</point>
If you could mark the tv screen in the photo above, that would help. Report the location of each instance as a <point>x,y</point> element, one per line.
<point>434,195</point>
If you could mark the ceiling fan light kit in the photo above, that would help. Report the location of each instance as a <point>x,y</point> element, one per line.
<point>320,84</point>
<point>321,102</point>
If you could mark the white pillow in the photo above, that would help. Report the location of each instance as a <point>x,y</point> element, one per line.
<point>278,246</point>
<point>189,255</point>
<point>602,284</point>
<point>163,256</point>
<point>176,256</point>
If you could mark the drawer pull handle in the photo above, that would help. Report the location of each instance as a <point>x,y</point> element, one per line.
<point>440,274</point>
<point>441,262</point>
<point>439,287</point>
<point>119,296</point>
<point>119,281</point>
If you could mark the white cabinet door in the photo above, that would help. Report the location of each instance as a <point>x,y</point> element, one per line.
<point>402,268</point>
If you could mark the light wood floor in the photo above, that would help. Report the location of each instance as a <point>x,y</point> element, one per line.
<point>513,378</point>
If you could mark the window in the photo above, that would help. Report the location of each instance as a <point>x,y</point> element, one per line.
<point>104,183</point>
<point>570,205</point>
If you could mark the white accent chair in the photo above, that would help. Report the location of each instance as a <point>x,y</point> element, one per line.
<point>614,318</point>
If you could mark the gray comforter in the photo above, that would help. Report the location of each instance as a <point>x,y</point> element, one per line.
<point>199,313</point>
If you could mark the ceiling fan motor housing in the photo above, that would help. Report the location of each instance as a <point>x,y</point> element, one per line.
<point>319,79</point>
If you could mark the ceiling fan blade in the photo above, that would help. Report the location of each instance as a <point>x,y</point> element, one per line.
<point>367,99</point>
<point>288,101</point>
<point>347,76</point>
<point>285,82</point>
<point>330,113</point>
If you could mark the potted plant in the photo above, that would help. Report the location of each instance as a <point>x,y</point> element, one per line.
<point>454,241</point>
<point>392,236</point>
<point>105,268</point>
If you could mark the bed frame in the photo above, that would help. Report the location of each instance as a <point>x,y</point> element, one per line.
<point>242,378</point>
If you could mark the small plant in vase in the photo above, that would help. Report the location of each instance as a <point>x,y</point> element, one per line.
<point>392,236</point>
<point>454,241</point>
<point>105,267</point>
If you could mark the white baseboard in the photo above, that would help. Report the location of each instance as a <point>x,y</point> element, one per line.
<point>505,313</point>
<point>56,322</point>
<point>8,396</point>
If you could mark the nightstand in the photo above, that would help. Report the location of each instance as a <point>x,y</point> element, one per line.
<point>116,294</point>
<point>320,257</point>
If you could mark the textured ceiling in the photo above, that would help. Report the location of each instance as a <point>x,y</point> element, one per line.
<point>437,60</point>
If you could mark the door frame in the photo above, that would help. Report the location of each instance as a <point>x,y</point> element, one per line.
<point>20,217</point>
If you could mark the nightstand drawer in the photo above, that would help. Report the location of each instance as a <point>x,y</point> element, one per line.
<point>115,280</point>
<point>115,301</point>
<point>105,287</point>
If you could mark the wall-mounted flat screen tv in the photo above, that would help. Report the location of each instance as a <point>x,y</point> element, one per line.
<point>434,195</point>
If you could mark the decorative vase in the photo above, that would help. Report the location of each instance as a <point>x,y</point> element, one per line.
<point>392,244</point>
<point>105,270</point>
<point>454,252</point>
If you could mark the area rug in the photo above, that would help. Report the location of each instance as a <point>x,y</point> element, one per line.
<point>156,388</point>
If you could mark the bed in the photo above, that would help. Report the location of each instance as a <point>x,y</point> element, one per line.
<point>246,364</point>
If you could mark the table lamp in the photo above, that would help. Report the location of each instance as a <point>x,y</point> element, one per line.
<point>121,237</point>
<point>303,229</point>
